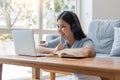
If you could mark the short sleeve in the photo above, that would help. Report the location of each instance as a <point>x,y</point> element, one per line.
<point>87,42</point>
<point>53,43</point>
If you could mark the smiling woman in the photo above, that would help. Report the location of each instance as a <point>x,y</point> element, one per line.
<point>71,41</point>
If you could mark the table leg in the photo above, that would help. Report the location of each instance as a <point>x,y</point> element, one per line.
<point>103,78</point>
<point>52,76</point>
<point>0,71</point>
<point>36,73</point>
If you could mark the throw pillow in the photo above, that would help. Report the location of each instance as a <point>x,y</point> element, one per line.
<point>115,51</point>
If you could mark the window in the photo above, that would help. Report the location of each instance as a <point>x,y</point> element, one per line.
<point>52,8</point>
<point>18,14</point>
<point>38,15</point>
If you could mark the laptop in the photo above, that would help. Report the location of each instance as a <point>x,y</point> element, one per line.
<point>24,43</point>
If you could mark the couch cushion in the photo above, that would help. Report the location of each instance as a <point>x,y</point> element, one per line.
<point>105,56</point>
<point>102,34</point>
<point>116,44</point>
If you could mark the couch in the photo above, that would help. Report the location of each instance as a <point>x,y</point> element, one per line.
<point>106,37</point>
<point>103,33</point>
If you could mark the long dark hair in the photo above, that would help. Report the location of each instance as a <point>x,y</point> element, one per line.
<point>72,19</point>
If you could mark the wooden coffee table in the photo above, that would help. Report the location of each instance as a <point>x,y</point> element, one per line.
<point>106,68</point>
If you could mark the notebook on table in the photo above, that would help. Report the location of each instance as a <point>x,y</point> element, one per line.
<point>24,43</point>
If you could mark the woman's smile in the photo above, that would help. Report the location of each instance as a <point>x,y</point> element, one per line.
<point>64,30</point>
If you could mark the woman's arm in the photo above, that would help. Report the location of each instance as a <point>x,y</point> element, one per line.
<point>48,47</point>
<point>86,51</point>
<point>43,49</point>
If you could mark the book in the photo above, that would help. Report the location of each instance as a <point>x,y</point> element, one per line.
<point>69,54</point>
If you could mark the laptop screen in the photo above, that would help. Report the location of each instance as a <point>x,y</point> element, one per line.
<point>24,42</point>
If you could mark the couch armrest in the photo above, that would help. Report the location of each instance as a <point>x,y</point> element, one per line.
<point>51,37</point>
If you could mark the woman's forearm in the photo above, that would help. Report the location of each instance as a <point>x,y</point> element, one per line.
<point>41,49</point>
<point>86,52</point>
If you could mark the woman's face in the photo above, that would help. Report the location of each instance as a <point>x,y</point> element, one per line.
<point>64,30</point>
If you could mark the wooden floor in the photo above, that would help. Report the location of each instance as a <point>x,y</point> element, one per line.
<point>58,78</point>
<point>24,73</point>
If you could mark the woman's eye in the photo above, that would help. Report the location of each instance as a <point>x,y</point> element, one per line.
<point>62,26</point>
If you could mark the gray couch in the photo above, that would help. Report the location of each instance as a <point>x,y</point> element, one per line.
<point>102,34</point>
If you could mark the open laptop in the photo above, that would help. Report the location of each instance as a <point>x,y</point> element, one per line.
<point>24,43</point>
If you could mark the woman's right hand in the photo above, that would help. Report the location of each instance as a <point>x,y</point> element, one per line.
<point>42,43</point>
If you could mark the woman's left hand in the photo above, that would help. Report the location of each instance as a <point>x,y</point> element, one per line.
<point>60,47</point>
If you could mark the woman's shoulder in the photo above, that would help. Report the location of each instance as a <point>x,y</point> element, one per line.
<point>85,39</point>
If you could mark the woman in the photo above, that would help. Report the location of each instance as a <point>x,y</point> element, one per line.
<point>72,39</point>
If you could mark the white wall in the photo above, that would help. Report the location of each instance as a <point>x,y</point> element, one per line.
<point>98,9</point>
<point>106,9</point>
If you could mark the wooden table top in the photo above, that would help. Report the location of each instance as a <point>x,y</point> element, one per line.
<point>101,64</point>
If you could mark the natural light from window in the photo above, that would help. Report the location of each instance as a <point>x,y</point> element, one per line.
<point>18,13</point>
<point>38,15</point>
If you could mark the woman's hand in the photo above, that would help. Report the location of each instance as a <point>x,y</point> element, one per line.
<point>41,48</point>
<point>60,47</point>
<point>42,43</point>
